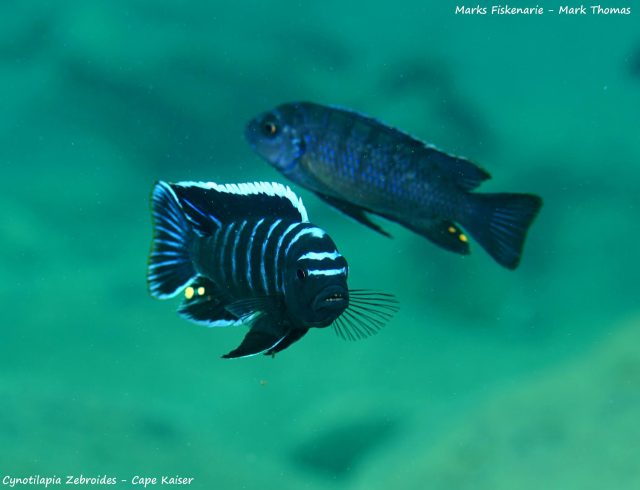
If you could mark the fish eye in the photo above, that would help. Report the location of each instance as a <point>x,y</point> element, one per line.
<point>302,274</point>
<point>269,128</point>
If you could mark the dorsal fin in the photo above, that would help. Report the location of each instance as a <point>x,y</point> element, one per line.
<point>466,174</point>
<point>208,205</point>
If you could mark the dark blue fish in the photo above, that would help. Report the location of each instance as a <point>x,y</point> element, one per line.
<point>360,165</point>
<point>246,254</point>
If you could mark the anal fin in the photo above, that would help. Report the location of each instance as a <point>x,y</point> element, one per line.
<point>443,233</point>
<point>204,304</point>
<point>354,211</point>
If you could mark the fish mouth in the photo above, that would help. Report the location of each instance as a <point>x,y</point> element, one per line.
<point>250,130</point>
<point>334,298</point>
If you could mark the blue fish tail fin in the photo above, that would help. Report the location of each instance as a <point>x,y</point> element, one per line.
<point>170,266</point>
<point>499,222</point>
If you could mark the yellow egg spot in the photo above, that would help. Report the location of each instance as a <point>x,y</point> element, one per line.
<point>189,292</point>
<point>463,238</point>
<point>201,291</point>
<point>452,229</point>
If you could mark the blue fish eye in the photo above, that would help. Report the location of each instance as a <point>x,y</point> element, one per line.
<point>302,274</point>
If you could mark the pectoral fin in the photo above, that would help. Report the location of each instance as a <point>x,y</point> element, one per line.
<point>290,338</point>
<point>354,211</point>
<point>254,343</point>
<point>246,308</point>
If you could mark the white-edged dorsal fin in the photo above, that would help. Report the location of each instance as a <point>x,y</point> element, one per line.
<point>208,205</point>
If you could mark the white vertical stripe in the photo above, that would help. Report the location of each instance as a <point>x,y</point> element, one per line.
<point>223,246</point>
<point>214,241</point>
<point>249,248</point>
<point>234,277</point>
<point>263,269</point>
<point>277,255</point>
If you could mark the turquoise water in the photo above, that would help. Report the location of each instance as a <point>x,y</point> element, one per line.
<point>486,379</point>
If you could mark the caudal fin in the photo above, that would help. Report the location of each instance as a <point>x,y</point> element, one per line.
<point>170,265</point>
<point>499,222</point>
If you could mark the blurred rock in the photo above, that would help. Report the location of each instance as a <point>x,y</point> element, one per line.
<point>339,450</point>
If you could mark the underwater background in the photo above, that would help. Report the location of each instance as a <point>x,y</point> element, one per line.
<point>485,379</point>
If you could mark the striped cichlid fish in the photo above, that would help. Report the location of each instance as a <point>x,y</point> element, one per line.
<point>246,254</point>
<point>360,165</point>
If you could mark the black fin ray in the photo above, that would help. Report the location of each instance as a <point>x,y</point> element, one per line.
<point>205,305</point>
<point>209,205</point>
<point>443,233</point>
<point>354,211</point>
<point>368,312</point>
<point>499,222</point>
<point>170,266</point>
<point>265,334</point>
